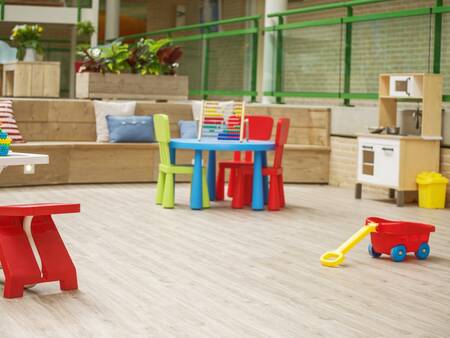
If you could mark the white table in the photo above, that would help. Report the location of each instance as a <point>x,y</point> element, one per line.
<point>25,159</point>
<point>22,159</point>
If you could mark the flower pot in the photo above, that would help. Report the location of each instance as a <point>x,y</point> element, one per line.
<point>30,55</point>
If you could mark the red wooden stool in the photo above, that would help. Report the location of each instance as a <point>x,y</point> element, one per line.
<point>31,249</point>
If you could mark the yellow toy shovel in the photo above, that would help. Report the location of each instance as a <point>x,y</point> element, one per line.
<point>335,258</point>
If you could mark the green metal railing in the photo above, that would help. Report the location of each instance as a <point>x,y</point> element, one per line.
<point>2,10</point>
<point>345,24</point>
<point>208,33</point>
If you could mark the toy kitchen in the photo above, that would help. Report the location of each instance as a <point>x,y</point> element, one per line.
<point>389,157</point>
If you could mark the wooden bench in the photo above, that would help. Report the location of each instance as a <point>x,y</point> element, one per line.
<point>65,130</point>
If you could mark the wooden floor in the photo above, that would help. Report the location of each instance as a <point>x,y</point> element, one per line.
<point>145,271</point>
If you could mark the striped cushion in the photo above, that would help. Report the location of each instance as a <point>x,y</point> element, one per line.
<point>8,122</point>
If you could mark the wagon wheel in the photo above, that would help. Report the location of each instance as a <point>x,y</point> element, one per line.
<point>398,253</point>
<point>423,251</point>
<point>372,252</point>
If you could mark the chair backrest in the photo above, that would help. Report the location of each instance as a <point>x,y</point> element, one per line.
<point>280,140</point>
<point>259,129</point>
<point>162,133</point>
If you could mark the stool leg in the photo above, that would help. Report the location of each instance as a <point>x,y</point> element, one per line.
<point>274,194</point>
<point>220,186</point>
<point>69,282</point>
<point>168,200</point>
<point>400,198</point>
<point>160,187</point>
<point>358,190</point>
<point>391,193</point>
<point>13,289</point>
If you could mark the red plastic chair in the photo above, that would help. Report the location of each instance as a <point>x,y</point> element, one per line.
<point>276,188</point>
<point>260,128</point>
<point>31,249</point>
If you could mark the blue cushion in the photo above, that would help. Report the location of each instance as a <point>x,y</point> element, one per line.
<point>188,129</point>
<point>133,129</point>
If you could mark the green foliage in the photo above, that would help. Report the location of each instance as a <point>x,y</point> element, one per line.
<point>115,57</point>
<point>85,29</point>
<point>27,36</point>
<point>146,57</point>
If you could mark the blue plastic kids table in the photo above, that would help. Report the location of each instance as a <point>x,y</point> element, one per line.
<point>212,145</point>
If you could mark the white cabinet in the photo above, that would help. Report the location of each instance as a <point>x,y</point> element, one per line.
<point>394,162</point>
<point>379,161</point>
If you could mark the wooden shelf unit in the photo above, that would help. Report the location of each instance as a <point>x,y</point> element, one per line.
<point>393,161</point>
<point>430,87</point>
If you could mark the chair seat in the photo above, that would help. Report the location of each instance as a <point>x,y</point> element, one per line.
<point>233,164</point>
<point>176,169</point>
<point>266,171</point>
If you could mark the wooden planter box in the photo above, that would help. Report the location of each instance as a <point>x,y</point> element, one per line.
<point>131,86</point>
<point>31,79</point>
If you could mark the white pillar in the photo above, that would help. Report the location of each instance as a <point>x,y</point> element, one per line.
<point>94,20</point>
<point>112,23</point>
<point>271,6</point>
<point>73,55</point>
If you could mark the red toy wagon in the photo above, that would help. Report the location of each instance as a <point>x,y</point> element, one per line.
<point>397,238</point>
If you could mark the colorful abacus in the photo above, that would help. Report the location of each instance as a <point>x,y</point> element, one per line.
<point>5,141</point>
<point>222,120</point>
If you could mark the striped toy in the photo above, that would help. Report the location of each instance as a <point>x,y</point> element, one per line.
<point>5,141</point>
<point>222,120</point>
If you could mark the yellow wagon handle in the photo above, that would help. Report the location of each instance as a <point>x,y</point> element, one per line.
<point>335,258</point>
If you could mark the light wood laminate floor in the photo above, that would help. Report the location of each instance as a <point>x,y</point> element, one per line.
<point>149,272</point>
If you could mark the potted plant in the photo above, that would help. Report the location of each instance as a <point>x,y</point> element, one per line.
<point>85,29</point>
<point>143,70</point>
<point>27,39</point>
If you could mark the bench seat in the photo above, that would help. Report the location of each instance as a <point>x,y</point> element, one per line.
<point>92,162</point>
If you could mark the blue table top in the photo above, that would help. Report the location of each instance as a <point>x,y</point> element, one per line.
<point>214,144</point>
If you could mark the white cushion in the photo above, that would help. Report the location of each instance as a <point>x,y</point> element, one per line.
<point>103,108</point>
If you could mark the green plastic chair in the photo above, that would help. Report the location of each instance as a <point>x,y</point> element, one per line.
<point>165,189</point>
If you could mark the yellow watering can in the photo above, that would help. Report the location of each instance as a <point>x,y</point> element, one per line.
<point>335,258</point>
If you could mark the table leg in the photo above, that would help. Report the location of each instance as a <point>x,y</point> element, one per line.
<point>173,160</point>
<point>173,155</point>
<point>196,194</point>
<point>212,175</point>
<point>258,194</point>
<point>265,179</point>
